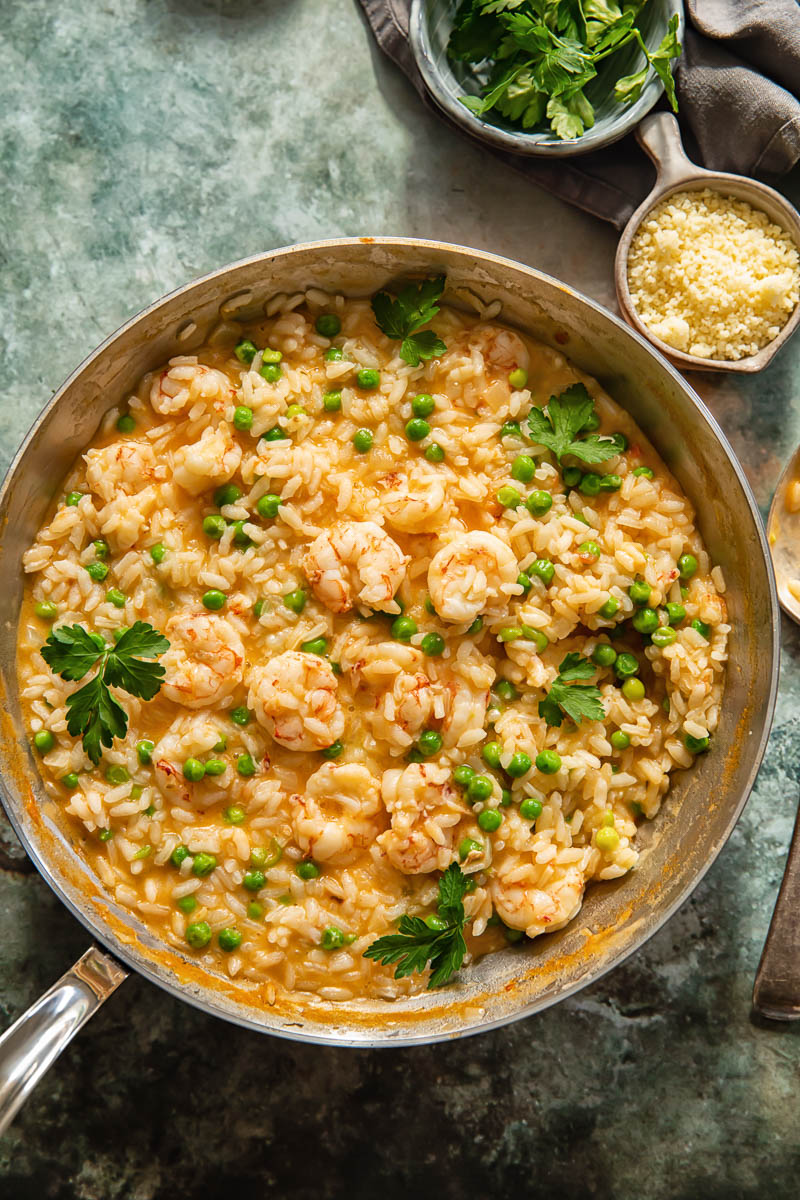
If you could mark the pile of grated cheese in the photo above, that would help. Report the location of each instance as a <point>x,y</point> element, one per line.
<point>711,276</point>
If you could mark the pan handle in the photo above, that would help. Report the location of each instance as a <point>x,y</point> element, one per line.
<point>35,1040</point>
<point>776,994</point>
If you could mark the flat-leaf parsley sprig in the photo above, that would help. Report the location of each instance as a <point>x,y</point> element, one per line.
<point>417,944</point>
<point>402,318</point>
<point>560,427</point>
<point>577,700</point>
<point>92,712</point>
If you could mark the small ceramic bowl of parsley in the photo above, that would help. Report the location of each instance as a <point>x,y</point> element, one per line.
<point>547,77</point>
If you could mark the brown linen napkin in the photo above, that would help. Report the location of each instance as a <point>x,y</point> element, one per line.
<point>738,86</point>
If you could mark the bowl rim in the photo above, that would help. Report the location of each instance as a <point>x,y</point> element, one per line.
<point>208,996</point>
<point>522,142</point>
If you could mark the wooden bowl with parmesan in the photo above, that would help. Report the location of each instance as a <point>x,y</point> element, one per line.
<point>708,267</point>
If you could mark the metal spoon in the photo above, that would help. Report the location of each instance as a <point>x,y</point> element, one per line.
<point>776,993</point>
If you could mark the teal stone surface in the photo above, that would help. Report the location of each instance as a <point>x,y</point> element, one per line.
<point>144,142</point>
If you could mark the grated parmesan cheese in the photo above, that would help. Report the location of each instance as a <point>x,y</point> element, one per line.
<point>711,276</point>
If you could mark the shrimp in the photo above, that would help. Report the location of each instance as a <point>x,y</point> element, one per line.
<point>537,898</point>
<point>207,463</point>
<point>125,467</point>
<point>294,698</point>
<point>415,504</point>
<point>464,714</point>
<point>503,350</point>
<point>204,662</point>
<point>186,381</point>
<point>425,812</point>
<point>467,574</point>
<point>339,813</point>
<point>404,695</point>
<point>356,562</point>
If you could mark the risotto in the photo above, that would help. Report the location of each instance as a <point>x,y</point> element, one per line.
<point>452,617</point>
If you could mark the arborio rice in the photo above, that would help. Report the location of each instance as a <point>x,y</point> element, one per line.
<point>335,806</point>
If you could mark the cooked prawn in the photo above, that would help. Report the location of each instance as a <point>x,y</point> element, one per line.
<point>125,467</point>
<point>470,573</point>
<point>425,810</point>
<point>204,661</point>
<point>338,813</point>
<point>294,698</point>
<point>537,899</point>
<point>416,503</point>
<point>355,562</point>
<point>207,463</point>
<point>404,695</point>
<point>184,382</point>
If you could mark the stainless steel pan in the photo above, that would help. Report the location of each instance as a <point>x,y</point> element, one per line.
<point>678,847</point>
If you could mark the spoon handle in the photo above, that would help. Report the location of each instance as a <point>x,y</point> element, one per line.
<point>660,136</point>
<point>777,988</point>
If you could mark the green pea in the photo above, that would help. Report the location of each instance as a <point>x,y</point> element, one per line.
<point>606,839</point>
<point>604,655</point>
<point>491,754</point>
<point>368,379</point>
<point>589,550</point>
<point>645,620</point>
<point>229,493</point>
<point>240,537</point>
<point>116,597</point>
<point>214,600</point>
<point>463,775</point>
<point>332,401</point>
<point>548,762</point>
<point>543,569</point>
<point>435,453</point>
<point>539,639</point>
<point>432,644</point>
<point>620,740</point>
<point>270,355</point>
<point>505,690</point>
<point>254,880</point>
<point>333,354</point>
<point>260,856</point>
<point>275,434</point>
<point>626,664</point>
<point>639,592</point>
<point>46,610</point>
<point>105,835</point>
<point>332,938</point>
<point>193,770</point>
<point>216,766</point>
<point>362,440</point>
<point>117,775</point>
<point>539,502</point>
<point>509,633</point>
<point>435,922</point>
<point>423,405</point>
<point>328,325</point>
<point>267,506</point>
<point>234,814</point>
<point>198,934</point>
<point>214,525</point>
<point>255,910</point>
<point>221,745</point>
<point>687,565</point>
<point>126,423</point>
<point>505,797</point>
<point>509,497</point>
<point>701,628</point>
<point>572,476</point>
<point>429,742</point>
<point>73,499</point>
<point>315,646</point>
<point>100,548</point>
<point>296,600</point>
<point>144,751</point>
<point>590,484</point>
<point>417,429</point>
<point>333,751</point>
<point>187,904</point>
<point>523,468</point>
<point>676,613</point>
<point>243,418</point>
<point>258,608</point>
<point>511,429</point>
<point>610,483</point>
<point>70,780</point>
<point>519,764</point>
<point>643,471</point>
<point>296,410</point>
<point>203,864</point>
<point>271,371</point>
<point>524,582</point>
<point>245,350</point>
<point>307,870</point>
<point>468,846</point>
<point>179,855</point>
<point>490,820</point>
<point>245,765</point>
<point>240,715</point>
<point>476,626</point>
<point>480,787</point>
<point>609,609</point>
<point>158,553</point>
<point>229,939</point>
<point>142,852</point>
<point>696,745</point>
<point>663,636</point>
<point>404,628</point>
<point>633,689</point>
<point>97,571</point>
<point>518,378</point>
<point>530,809</point>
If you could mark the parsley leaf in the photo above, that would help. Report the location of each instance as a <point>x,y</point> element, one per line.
<point>402,317</point>
<point>93,713</point>
<point>416,945</point>
<point>575,699</point>
<point>558,428</point>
